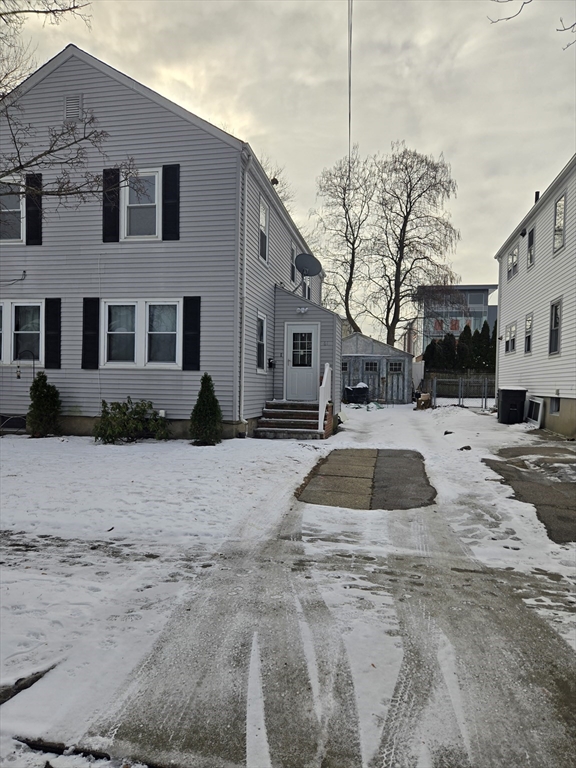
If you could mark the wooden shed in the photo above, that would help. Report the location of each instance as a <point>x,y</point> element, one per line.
<point>386,370</point>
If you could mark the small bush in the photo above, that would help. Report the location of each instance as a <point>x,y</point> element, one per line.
<point>128,422</point>
<point>206,417</point>
<point>45,406</point>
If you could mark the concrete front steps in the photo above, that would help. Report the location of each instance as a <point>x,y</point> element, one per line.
<point>285,420</point>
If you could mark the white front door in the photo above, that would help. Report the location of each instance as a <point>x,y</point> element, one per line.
<point>302,361</point>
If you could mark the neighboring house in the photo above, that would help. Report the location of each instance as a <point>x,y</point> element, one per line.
<point>448,309</point>
<point>537,306</point>
<point>187,268</point>
<point>386,370</point>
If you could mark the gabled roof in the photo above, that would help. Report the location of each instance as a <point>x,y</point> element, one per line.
<point>359,344</point>
<point>72,51</point>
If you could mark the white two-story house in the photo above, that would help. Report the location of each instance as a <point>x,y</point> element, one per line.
<point>188,267</point>
<point>537,306</point>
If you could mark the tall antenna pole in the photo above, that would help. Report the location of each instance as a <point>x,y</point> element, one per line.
<point>350,9</point>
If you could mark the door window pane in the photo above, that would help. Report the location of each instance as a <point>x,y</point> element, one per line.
<point>302,350</point>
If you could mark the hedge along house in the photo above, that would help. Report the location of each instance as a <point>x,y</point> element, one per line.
<point>166,275</point>
<point>386,370</point>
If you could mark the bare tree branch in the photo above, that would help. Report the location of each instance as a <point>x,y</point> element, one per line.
<point>563,28</point>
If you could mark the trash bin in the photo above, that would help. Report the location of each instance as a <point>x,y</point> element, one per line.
<point>358,394</point>
<point>511,403</point>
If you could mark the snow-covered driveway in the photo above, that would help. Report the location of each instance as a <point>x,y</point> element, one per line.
<point>197,613</point>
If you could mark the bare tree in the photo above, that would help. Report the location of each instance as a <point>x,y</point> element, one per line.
<point>277,176</point>
<point>62,153</point>
<point>563,28</point>
<point>346,191</point>
<point>412,234</point>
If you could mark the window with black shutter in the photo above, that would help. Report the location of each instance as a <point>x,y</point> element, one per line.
<point>90,333</point>
<point>34,209</point>
<point>191,334</point>
<point>171,202</point>
<point>52,333</point>
<point>111,205</point>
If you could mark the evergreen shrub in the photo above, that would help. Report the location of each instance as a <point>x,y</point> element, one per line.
<point>128,422</point>
<point>206,417</point>
<point>45,406</point>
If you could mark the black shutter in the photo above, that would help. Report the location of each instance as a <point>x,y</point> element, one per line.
<point>90,333</point>
<point>171,202</point>
<point>191,335</point>
<point>111,205</point>
<point>52,333</point>
<point>33,209</point>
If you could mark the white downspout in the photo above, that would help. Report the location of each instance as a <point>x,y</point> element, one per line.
<point>246,153</point>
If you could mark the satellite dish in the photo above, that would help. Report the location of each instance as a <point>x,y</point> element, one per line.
<point>308,265</point>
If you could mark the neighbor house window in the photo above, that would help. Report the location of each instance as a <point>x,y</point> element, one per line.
<point>559,222</point>
<point>264,226</point>
<point>438,324</point>
<point>555,325</point>
<point>510,338</point>
<point>512,262</point>
<point>371,366</point>
<point>260,342</point>
<point>454,324</point>
<point>554,405</point>
<point>293,263</point>
<point>140,205</point>
<point>528,334</point>
<point>12,207</point>
<point>531,248</point>
<point>345,366</point>
<point>306,289</point>
<point>141,333</point>
<point>395,367</point>
<point>162,332</point>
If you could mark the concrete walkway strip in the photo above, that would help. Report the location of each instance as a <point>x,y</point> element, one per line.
<point>370,479</point>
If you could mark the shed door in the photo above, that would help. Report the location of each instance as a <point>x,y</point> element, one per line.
<point>395,390</point>
<point>302,364</point>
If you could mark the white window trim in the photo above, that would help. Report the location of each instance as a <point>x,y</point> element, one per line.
<point>531,334</point>
<point>124,197</point>
<point>8,324</point>
<point>552,304</point>
<point>266,230</point>
<point>261,316</point>
<point>512,262</point>
<point>22,239</point>
<point>140,334</point>
<point>563,243</point>
<point>510,339</point>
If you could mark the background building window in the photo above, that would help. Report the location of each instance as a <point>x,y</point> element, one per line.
<point>264,226</point>
<point>528,334</point>
<point>371,366</point>
<point>531,247</point>
<point>510,338</point>
<point>344,366</point>
<point>555,323</point>
<point>559,211</point>
<point>395,367</point>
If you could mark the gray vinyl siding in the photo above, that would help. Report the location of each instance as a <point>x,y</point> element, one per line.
<point>330,339</point>
<point>552,277</point>
<point>74,263</point>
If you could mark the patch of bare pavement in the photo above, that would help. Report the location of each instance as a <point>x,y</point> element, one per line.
<point>256,670</point>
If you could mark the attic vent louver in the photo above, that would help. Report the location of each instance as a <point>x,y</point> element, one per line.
<point>72,108</point>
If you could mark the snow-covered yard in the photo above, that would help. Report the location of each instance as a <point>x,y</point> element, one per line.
<point>101,545</point>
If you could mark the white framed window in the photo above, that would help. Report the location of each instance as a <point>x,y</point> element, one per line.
<point>140,206</point>
<point>141,333</point>
<point>510,338</point>
<point>261,343</point>
<point>293,263</point>
<point>555,327</point>
<point>264,229</point>
<point>559,222</point>
<point>512,268</point>
<point>12,212</point>
<point>531,254</point>
<point>22,332</point>
<point>528,334</point>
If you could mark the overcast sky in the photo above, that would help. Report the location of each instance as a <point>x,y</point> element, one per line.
<point>497,99</point>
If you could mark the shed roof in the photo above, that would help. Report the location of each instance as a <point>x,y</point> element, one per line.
<point>359,344</point>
